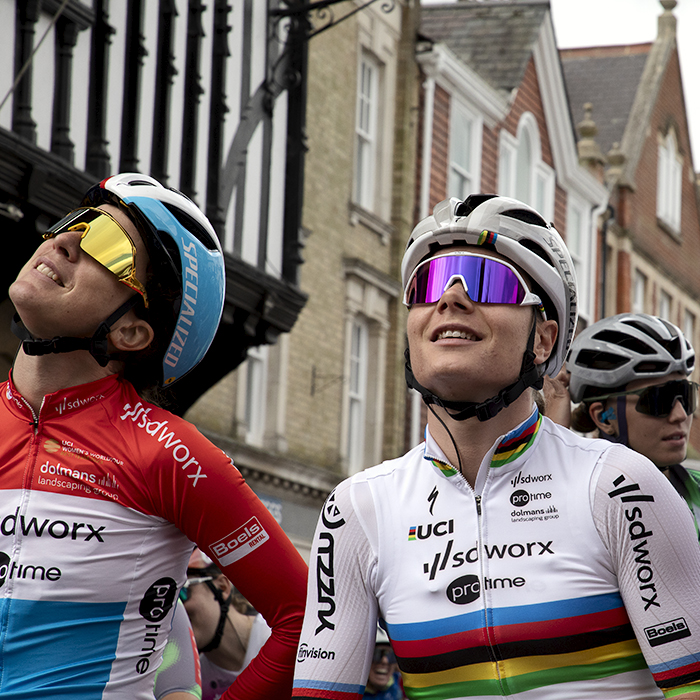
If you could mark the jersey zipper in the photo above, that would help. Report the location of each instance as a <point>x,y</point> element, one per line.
<point>490,644</point>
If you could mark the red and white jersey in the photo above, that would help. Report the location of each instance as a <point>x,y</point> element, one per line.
<point>570,570</point>
<point>102,496</point>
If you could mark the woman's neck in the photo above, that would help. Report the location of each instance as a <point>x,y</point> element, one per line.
<point>37,376</point>
<point>474,438</point>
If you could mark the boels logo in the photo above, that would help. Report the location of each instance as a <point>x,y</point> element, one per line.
<point>240,542</point>
<point>464,590</point>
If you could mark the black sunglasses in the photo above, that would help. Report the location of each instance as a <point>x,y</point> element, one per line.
<point>185,590</point>
<point>381,652</point>
<point>659,400</point>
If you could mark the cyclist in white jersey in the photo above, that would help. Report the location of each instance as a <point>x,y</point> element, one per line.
<point>505,556</point>
<point>630,373</point>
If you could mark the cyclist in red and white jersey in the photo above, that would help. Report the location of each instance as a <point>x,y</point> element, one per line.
<point>103,493</point>
<point>505,556</point>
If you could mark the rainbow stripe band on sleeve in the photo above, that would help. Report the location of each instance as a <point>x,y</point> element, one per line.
<point>326,690</point>
<point>683,672</point>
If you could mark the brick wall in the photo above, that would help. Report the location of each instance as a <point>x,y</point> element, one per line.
<point>676,257</point>
<point>441,143</point>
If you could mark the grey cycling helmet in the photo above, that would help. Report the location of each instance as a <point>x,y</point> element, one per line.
<point>520,234</point>
<point>620,349</point>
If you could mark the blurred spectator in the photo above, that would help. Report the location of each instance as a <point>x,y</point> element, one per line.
<point>227,629</point>
<point>384,681</point>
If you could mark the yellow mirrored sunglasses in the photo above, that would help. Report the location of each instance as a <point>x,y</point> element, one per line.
<point>103,239</point>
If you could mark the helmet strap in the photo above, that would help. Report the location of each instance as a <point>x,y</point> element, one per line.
<point>529,377</point>
<point>224,606</point>
<point>97,345</point>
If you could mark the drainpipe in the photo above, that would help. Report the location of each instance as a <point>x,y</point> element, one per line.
<point>604,257</point>
<point>428,110</point>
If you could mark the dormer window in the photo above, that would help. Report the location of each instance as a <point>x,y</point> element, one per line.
<point>668,182</point>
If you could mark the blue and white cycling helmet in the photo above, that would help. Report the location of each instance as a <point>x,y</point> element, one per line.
<point>176,234</point>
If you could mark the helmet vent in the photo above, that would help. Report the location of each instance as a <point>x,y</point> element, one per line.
<point>538,250</point>
<point>471,202</point>
<point>671,345</point>
<point>624,341</point>
<point>650,367</point>
<point>196,229</point>
<point>529,217</point>
<point>593,359</point>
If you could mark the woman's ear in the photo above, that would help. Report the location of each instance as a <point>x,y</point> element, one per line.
<point>545,337</point>
<point>224,585</point>
<point>131,334</point>
<point>605,419</point>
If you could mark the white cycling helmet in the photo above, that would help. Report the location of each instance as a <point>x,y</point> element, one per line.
<point>617,350</point>
<point>518,233</point>
<point>179,237</point>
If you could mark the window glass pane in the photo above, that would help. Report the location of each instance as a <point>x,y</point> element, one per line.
<point>256,388</point>
<point>460,141</point>
<point>640,285</point>
<point>365,132</point>
<point>505,171</point>
<point>523,169</point>
<point>357,395</point>
<point>461,131</point>
<point>689,326</point>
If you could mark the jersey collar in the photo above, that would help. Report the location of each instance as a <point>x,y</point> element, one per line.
<point>506,449</point>
<point>62,402</point>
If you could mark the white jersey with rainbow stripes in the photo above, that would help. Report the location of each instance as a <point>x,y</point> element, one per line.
<point>571,570</point>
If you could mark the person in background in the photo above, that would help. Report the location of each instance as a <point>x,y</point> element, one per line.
<point>104,492</point>
<point>228,632</point>
<point>384,680</point>
<point>630,376</point>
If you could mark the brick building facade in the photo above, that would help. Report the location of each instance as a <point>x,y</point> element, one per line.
<point>652,238</point>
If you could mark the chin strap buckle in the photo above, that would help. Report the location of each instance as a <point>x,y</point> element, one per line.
<point>97,346</point>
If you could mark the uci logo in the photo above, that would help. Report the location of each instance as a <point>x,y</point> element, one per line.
<point>464,590</point>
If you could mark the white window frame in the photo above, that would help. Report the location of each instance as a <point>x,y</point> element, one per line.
<point>539,178</point>
<point>578,241</point>
<point>358,362</point>
<point>469,172</point>
<point>669,182</point>
<point>366,124</point>
<point>639,292</point>
<point>689,326</point>
<point>665,305</point>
